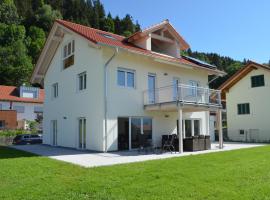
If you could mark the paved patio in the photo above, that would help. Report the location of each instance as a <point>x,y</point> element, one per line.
<point>91,159</point>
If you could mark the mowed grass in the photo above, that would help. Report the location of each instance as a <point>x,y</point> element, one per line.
<point>239,174</point>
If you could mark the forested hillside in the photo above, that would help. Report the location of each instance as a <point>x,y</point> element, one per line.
<point>24,25</point>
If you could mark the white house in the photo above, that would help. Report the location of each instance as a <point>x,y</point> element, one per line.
<point>247,96</point>
<point>103,90</point>
<point>26,101</point>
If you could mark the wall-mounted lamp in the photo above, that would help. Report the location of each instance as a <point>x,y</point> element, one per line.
<point>64,117</point>
<point>165,74</point>
<point>166,116</point>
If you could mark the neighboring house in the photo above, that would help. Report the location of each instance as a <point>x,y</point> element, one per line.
<point>247,95</point>
<point>27,102</point>
<point>104,90</point>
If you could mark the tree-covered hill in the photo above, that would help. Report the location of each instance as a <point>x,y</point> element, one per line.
<point>24,25</point>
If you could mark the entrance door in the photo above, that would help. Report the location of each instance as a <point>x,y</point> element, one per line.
<point>151,88</point>
<point>54,132</point>
<point>82,133</point>
<point>123,133</point>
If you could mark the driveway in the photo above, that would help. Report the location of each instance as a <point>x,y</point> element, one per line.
<point>93,159</point>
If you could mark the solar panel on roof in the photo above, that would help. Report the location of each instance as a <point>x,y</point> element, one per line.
<point>199,62</point>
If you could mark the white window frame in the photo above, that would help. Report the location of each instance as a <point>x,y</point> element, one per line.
<point>192,126</point>
<point>72,52</point>
<point>55,87</point>
<point>84,81</point>
<point>126,71</point>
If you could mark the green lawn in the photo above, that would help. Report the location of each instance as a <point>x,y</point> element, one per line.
<point>240,174</point>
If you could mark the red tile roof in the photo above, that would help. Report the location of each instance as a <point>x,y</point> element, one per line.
<point>11,93</point>
<point>97,36</point>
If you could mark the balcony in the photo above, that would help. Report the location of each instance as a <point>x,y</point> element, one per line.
<point>170,96</point>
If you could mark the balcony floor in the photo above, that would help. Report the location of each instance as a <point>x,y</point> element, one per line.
<point>188,106</point>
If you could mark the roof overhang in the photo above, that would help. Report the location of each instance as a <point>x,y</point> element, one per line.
<point>163,25</point>
<point>168,60</point>
<point>54,39</point>
<point>241,73</point>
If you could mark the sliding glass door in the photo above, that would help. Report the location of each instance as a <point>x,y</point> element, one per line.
<point>130,130</point>
<point>82,133</point>
<point>54,132</point>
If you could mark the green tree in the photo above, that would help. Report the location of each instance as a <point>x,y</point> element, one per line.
<point>45,17</point>
<point>109,24</point>
<point>117,25</point>
<point>127,25</point>
<point>35,41</point>
<point>15,64</point>
<point>8,12</point>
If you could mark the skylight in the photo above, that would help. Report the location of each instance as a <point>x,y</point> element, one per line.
<point>107,36</point>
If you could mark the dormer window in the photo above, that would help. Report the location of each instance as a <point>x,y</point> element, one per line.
<point>68,54</point>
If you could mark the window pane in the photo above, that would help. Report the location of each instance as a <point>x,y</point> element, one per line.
<point>130,79</point>
<point>121,78</point>
<point>69,48</point>
<point>65,51</point>
<point>188,128</point>
<point>147,127</point>
<point>80,82</point>
<point>196,127</point>
<point>73,46</point>
<point>257,81</point>
<point>84,82</point>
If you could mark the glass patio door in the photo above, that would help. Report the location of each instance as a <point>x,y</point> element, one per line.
<point>151,88</point>
<point>54,132</point>
<point>138,126</point>
<point>82,133</point>
<point>136,130</point>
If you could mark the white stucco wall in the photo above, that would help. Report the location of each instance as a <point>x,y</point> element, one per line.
<point>122,102</point>
<point>258,119</point>
<point>125,102</point>
<point>72,104</point>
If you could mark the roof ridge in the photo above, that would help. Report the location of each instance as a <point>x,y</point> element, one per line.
<point>95,29</point>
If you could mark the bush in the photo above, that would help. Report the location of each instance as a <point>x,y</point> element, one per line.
<point>8,133</point>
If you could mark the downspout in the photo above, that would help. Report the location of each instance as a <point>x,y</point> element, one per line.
<point>106,95</point>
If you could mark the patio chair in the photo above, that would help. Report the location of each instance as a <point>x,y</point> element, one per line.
<point>143,143</point>
<point>169,144</point>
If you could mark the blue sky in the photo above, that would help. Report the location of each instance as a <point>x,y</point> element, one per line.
<point>236,28</point>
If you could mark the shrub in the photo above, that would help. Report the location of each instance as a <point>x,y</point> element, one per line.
<point>8,133</point>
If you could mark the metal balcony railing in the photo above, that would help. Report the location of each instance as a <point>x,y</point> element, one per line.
<point>183,93</point>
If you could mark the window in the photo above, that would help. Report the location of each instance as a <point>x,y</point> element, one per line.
<point>0,106</point>
<point>55,90</point>
<point>19,109</point>
<point>257,81</point>
<point>68,54</point>
<point>2,124</point>
<point>38,109</point>
<point>194,88</point>
<point>82,81</point>
<point>197,130</point>
<point>126,78</point>
<point>242,132</point>
<point>243,109</point>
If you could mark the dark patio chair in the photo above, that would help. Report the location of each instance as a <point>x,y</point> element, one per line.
<point>145,144</point>
<point>169,144</point>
